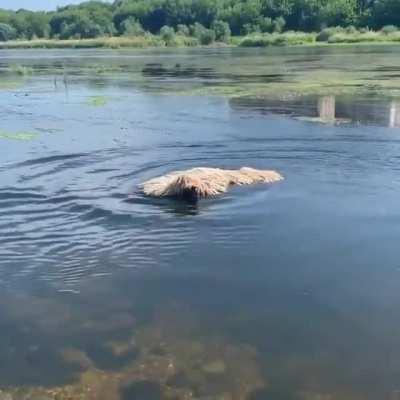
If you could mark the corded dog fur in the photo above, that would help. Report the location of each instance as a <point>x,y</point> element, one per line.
<point>199,183</point>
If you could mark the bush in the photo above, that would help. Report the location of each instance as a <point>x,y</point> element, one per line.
<point>205,36</point>
<point>249,29</point>
<point>196,29</point>
<point>284,39</point>
<point>167,33</point>
<point>183,30</point>
<point>222,31</point>
<point>265,24</point>
<point>327,33</point>
<point>83,28</point>
<point>279,24</point>
<point>351,30</point>
<point>131,27</point>
<point>388,29</point>
<point>7,32</point>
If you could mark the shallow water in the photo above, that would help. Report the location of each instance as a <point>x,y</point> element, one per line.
<point>282,292</point>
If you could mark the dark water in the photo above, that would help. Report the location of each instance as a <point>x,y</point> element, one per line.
<point>286,292</point>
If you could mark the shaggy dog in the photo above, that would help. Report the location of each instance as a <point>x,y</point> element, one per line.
<point>197,183</point>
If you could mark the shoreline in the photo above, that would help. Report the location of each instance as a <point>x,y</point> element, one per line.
<point>289,39</point>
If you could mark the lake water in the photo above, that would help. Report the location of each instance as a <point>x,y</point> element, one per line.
<point>285,292</point>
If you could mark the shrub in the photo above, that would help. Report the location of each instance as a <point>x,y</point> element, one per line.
<point>222,31</point>
<point>205,36</point>
<point>249,29</point>
<point>196,29</point>
<point>279,24</point>
<point>7,32</point>
<point>351,30</point>
<point>327,33</point>
<point>288,38</point>
<point>82,28</point>
<point>131,27</point>
<point>265,24</point>
<point>388,29</point>
<point>167,33</point>
<point>183,30</point>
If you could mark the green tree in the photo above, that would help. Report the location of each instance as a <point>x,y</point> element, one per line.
<point>131,27</point>
<point>385,12</point>
<point>183,30</point>
<point>167,33</point>
<point>7,32</point>
<point>222,31</point>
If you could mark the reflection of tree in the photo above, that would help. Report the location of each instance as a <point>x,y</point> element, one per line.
<point>394,118</point>
<point>326,108</point>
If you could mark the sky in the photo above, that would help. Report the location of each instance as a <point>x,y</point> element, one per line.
<point>36,4</point>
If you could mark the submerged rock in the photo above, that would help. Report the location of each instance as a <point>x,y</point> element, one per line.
<point>170,359</point>
<point>214,367</point>
<point>143,390</point>
<point>5,396</point>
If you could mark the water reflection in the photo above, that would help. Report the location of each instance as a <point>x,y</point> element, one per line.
<point>394,119</point>
<point>328,109</point>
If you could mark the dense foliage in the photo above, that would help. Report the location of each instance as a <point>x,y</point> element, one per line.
<point>206,20</point>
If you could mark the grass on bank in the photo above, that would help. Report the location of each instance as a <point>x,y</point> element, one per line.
<point>278,39</point>
<point>142,41</point>
<point>334,35</point>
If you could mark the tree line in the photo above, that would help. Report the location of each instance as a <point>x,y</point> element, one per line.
<point>206,20</point>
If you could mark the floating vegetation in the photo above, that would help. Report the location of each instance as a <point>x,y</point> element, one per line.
<point>21,70</point>
<point>97,101</point>
<point>10,84</point>
<point>23,136</point>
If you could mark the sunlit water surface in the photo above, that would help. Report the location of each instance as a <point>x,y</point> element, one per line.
<point>287,292</point>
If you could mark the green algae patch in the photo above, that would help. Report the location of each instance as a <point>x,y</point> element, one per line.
<point>10,84</point>
<point>21,136</point>
<point>21,70</point>
<point>97,101</point>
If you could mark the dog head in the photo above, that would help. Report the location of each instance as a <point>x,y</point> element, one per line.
<point>189,188</point>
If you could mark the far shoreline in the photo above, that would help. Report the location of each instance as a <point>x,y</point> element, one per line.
<point>286,39</point>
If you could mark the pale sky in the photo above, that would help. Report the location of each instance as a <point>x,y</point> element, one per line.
<point>36,4</point>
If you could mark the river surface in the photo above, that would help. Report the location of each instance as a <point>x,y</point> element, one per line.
<point>281,292</point>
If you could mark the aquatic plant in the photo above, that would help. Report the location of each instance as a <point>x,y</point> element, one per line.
<point>97,101</point>
<point>18,135</point>
<point>21,70</point>
<point>6,84</point>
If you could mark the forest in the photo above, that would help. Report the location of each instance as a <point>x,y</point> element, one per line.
<point>206,20</point>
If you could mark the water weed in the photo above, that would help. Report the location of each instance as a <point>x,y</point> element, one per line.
<point>23,136</point>
<point>97,101</point>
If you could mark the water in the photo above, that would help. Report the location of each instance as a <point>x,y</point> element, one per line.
<point>286,292</point>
